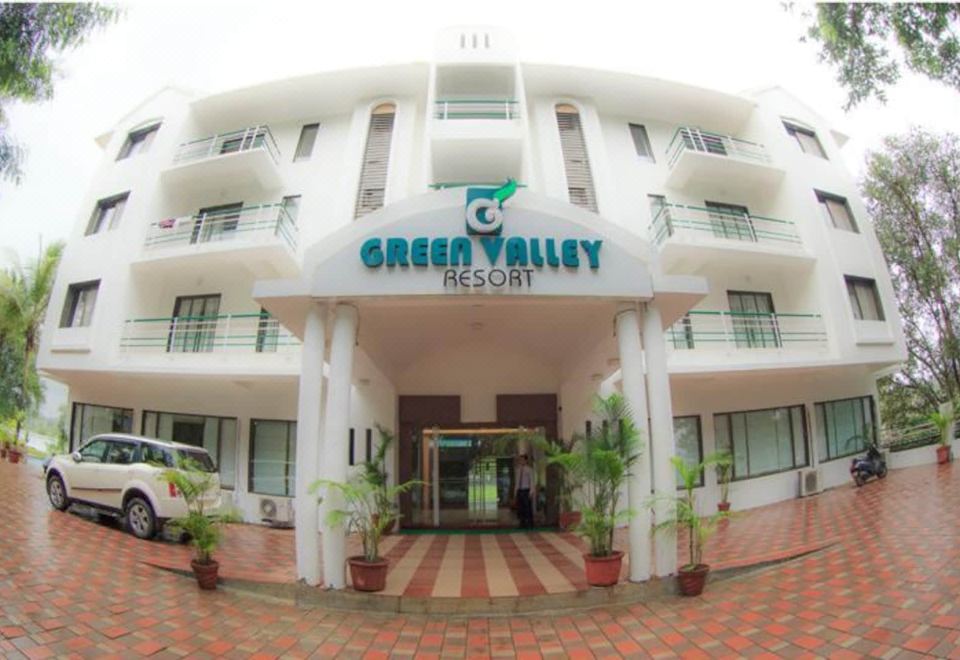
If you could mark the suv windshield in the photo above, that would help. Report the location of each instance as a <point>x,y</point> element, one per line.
<point>198,456</point>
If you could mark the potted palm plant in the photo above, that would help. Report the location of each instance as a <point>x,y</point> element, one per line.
<point>204,528</point>
<point>375,473</point>
<point>603,459</point>
<point>569,480</point>
<point>692,576</point>
<point>943,420</point>
<point>723,465</point>
<point>369,510</point>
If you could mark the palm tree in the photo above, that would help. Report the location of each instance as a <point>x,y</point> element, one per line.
<point>24,296</point>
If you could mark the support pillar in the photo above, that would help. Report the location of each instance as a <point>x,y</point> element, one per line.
<point>334,460</point>
<point>309,427</point>
<point>661,436</point>
<point>638,485</point>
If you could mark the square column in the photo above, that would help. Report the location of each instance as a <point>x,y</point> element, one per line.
<point>309,426</point>
<point>662,443</point>
<point>334,458</point>
<point>638,484</point>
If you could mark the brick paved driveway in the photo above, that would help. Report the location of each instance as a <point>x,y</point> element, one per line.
<point>889,588</point>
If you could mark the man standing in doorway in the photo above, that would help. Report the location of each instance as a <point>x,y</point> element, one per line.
<point>523,495</point>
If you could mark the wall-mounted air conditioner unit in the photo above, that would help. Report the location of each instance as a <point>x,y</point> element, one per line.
<point>809,482</point>
<point>276,512</point>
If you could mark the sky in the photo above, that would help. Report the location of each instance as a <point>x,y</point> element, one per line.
<point>213,46</point>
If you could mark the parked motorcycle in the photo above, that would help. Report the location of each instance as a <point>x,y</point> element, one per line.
<point>872,465</point>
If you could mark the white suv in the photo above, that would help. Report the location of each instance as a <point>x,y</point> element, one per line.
<point>120,475</point>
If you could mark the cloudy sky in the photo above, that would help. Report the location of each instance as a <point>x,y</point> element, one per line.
<point>729,46</point>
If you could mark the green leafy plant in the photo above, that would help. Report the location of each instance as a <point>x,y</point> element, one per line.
<point>602,460</point>
<point>204,527</point>
<point>682,510</point>
<point>369,500</point>
<point>570,473</point>
<point>723,465</point>
<point>943,420</point>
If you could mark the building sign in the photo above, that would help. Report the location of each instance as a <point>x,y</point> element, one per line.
<point>483,257</point>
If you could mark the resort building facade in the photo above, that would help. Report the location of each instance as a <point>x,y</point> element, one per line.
<point>460,249</point>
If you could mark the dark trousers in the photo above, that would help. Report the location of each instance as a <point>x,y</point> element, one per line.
<point>524,507</point>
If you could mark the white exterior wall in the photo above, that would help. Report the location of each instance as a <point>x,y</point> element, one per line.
<point>249,386</point>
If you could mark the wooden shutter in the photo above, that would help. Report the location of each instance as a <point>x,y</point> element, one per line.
<point>376,157</point>
<point>575,159</point>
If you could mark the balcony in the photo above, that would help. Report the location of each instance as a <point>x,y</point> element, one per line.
<point>688,236</point>
<point>225,344</point>
<point>721,161</point>
<point>476,139</point>
<point>717,339</point>
<point>262,238</point>
<point>239,158</point>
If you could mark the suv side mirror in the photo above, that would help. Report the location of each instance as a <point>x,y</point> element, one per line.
<point>77,457</point>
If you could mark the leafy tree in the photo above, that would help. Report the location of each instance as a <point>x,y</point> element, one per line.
<point>864,41</point>
<point>31,34</point>
<point>912,190</point>
<point>24,296</point>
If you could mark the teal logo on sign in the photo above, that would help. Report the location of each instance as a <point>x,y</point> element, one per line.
<point>485,208</point>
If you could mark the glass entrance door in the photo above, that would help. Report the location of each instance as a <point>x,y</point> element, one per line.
<point>468,476</point>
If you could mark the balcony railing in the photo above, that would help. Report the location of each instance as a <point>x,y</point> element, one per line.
<point>227,333</point>
<point>476,109</point>
<point>224,225</point>
<point>694,139</point>
<point>443,185</point>
<point>255,137</point>
<point>714,329</point>
<point>671,219</point>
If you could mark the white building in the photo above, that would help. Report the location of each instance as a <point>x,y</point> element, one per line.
<point>299,251</point>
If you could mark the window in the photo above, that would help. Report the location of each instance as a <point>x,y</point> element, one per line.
<point>291,205</point>
<point>155,455</point>
<point>88,420</point>
<point>753,319</point>
<point>218,435</point>
<point>308,137</point>
<point>864,298</point>
<point>376,157</point>
<point>138,141</point>
<point>268,332</point>
<point>193,328</point>
<point>844,427</point>
<point>731,221</point>
<point>763,441</point>
<point>837,211</point>
<point>273,455</point>
<point>688,442</point>
<point>806,138</point>
<point>641,141</point>
<point>352,458</point>
<point>79,304</point>
<point>120,452</point>
<point>216,223</point>
<point>681,333</point>
<point>369,445</point>
<point>93,453</point>
<point>576,162</point>
<point>106,215</point>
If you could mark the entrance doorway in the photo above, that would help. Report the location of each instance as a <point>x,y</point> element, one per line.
<point>468,476</point>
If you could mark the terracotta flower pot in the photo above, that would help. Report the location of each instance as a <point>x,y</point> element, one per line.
<point>943,454</point>
<point>723,506</point>
<point>13,455</point>
<point>368,575</point>
<point>569,520</point>
<point>692,580</point>
<point>206,573</point>
<point>603,571</point>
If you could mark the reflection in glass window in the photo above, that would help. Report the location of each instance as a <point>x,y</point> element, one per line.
<point>688,443</point>
<point>844,427</point>
<point>89,420</point>
<point>273,452</point>
<point>763,441</point>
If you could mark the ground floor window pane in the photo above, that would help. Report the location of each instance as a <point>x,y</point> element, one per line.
<point>273,457</point>
<point>845,427</point>
<point>687,443</point>
<point>763,441</point>
<point>90,420</point>
<point>218,435</point>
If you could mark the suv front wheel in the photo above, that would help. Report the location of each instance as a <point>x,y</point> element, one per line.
<point>57,493</point>
<point>140,519</point>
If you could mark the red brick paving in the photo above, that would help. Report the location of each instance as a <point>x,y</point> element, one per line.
<point>888,587</point>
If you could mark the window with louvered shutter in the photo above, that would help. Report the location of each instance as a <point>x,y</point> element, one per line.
<point>376,156</point>
<point>576,163</point>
